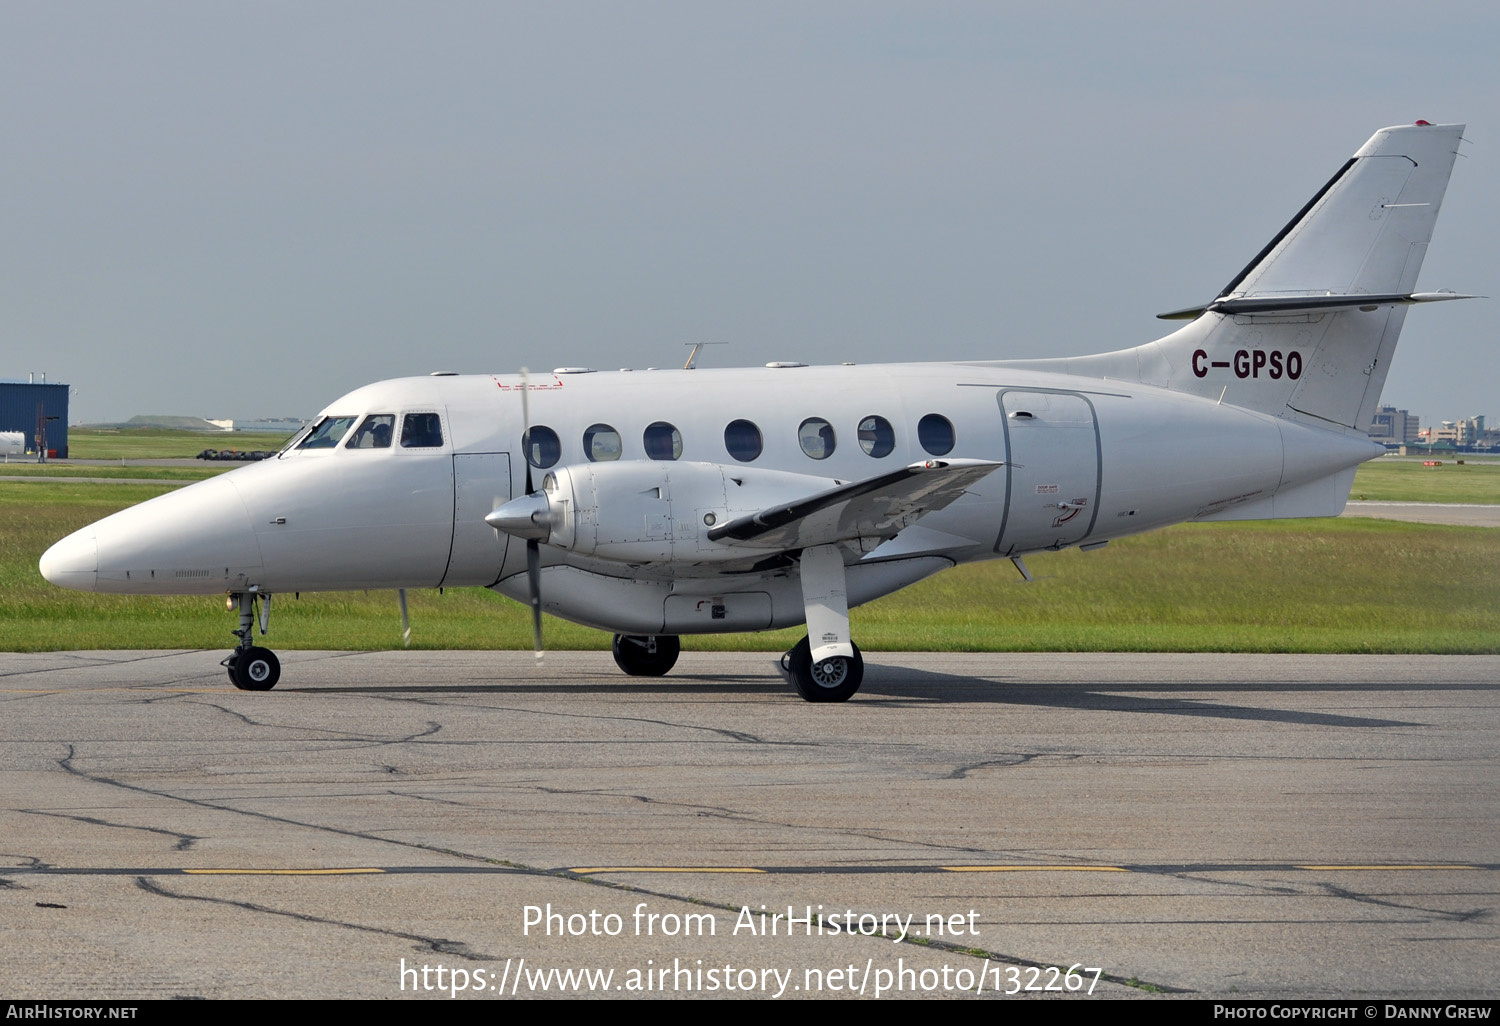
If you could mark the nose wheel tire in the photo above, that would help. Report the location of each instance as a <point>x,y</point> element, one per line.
<point>633,654</point>
<point>254,669</point>
<point>832,680</point>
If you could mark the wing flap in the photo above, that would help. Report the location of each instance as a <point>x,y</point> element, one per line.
<point>878,507</point>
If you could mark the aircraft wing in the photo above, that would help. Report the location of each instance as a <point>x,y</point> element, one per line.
<point>877,507</point>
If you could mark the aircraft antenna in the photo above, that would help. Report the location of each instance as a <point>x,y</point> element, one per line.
<point>694,354</point>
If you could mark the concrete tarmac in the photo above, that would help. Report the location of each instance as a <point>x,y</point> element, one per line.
<point>1463,514</point>
<point>1200,825</point>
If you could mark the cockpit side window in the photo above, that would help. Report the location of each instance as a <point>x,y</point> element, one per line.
<point>421,431</point>
<point>374,433</point>
<point>327,433</point>
<point>296,439</point>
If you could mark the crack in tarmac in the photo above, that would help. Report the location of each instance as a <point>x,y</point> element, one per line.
<point>737,816</point>
<point>733,735</point>
<point>75,661</point>
<point>429,798</point>
<point>365,740</point>
<point>962,772</point>
<point>437,945</point>
<point>1264,889</point>
<point>184,841</point>
<point>1473,915</point>
<point>66,764</point>
<point>29,862</point>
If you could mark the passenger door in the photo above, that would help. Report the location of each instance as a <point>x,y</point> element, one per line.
<point>481,484</point>
<point>1052,471</point>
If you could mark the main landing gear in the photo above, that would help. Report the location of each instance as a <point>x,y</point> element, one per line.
<point>250,667</point>
<point>829,669</point>
<point>646,656</point>
<point>834,679</point>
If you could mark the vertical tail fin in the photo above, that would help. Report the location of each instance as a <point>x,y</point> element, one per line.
<point>1366,231</point>
<point>1307,330</point>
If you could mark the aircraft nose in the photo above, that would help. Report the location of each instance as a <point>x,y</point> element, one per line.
<point>73,562</point>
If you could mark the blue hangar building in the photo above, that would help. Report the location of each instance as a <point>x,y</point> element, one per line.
<point>27,407</point>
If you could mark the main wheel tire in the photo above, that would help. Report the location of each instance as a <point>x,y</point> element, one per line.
<point>255,669</point>
<point>632,656</point>
<point>832,680</point>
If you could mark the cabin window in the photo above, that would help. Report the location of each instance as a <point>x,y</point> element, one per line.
<point>876,436</point>
<point>327,434</point>
<point>421,431</point>
<point>663,441</point>
<point>935,432</point>
<point>374,433</point>
<point>816,438</point>
<point>601,443</point>
<point>542,447</point>
<point>742,439</point>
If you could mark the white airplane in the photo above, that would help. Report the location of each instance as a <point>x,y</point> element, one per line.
<point>679,502</point>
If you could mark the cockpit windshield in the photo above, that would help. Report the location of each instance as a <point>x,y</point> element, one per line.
<point>296,439</point>
<point>326,433</point>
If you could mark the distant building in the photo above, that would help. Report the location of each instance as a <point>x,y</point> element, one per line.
<point>34,409</point>
<point>1467,435</point>
<point>288,425</point>
<point>1391,426</point>
<point>1459,433</point>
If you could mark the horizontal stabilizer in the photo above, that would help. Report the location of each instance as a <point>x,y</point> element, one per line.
<point>1309,304</point>
<point>878,507</point>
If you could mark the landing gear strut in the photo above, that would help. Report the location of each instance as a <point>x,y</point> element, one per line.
<point>250,667</point>
<point>646,655</point>
<point>831,671</point>
<point>835,679</point>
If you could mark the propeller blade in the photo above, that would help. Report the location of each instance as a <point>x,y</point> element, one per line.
<point>534,575</point>
<point>533,547</point>
<point>405,620</point>
<point>526,429</point>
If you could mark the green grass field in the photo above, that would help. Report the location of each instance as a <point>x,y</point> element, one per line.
<point>1407,480</point>
<point>130,472</point>
<point>1349,585</point>
<point>160,443</point>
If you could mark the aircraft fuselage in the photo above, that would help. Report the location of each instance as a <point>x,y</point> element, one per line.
<point>1085,461</point>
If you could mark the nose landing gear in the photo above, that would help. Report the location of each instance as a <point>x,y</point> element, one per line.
<point>250,667</point>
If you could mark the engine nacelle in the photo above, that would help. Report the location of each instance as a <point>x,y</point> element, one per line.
<point>646,511</point>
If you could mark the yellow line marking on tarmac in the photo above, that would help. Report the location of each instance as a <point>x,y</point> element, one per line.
<point>1388,867</point>
<point>1034,869</point>
<point>279,872</point>
<point>666,869</point>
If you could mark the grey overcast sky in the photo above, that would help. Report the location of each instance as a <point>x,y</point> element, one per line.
<point>247,209</point>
